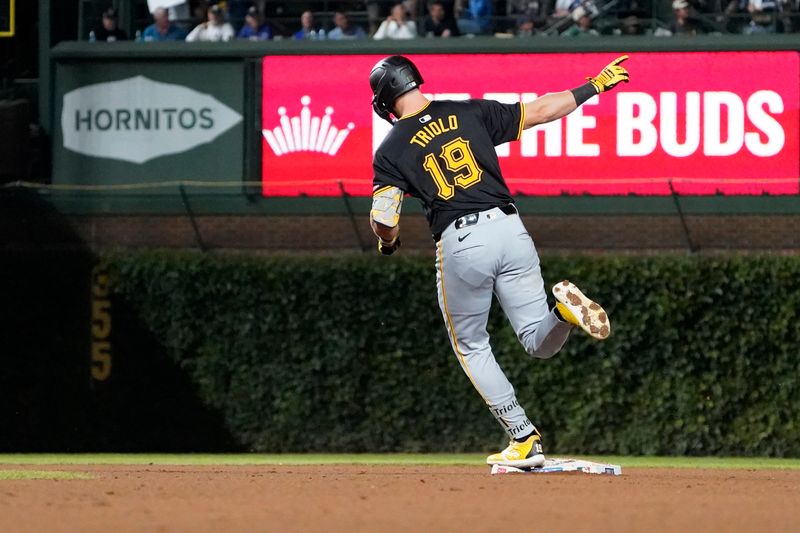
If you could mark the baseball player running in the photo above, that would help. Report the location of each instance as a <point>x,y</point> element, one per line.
<point>442,152</point>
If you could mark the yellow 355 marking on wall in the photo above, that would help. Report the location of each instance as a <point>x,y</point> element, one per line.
<point>101,324</point>
<point>8,14</point>
<point>459,158</point>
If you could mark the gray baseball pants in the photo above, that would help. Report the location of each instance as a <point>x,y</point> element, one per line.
<point>494,255</point>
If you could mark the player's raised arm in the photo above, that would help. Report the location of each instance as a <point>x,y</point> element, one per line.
<point>553,106</point>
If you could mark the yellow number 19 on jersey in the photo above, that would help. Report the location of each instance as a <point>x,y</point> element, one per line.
<point>458,158</point>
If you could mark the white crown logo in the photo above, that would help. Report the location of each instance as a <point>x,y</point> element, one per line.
<point>306,133</point>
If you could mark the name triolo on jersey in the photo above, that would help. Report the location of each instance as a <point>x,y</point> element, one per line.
<point>443,154</point>
<point>432,129</point>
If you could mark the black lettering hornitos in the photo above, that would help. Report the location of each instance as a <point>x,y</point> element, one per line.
<point>142,119</point>
<point>169,111</point>
<point>147,119</point>
<point>206,120</point>
<point>433,129</point>
<point>123,119</point>
<point>187,119</point>
<point>103,120</point>
<point>85,120</point>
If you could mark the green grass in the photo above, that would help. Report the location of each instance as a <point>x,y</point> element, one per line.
<point>375,459</point>
<point>699,462</point>
<point>41,474</point>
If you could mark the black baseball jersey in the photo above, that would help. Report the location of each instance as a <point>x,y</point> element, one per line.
<point>444,155</point>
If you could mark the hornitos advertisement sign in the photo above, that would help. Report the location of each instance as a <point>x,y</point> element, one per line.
<point>138,119</point>
<point>144,127</point>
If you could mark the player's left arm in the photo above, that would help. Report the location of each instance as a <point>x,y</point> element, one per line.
<point>553,106</point>
<point>384,217</point>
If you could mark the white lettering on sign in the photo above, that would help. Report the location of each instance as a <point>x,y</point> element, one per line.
<point>636,134</point>
<point>723,127</point>
<point>713,103</point>
<point>766,124</point>
<point>138,119</point>
<point>714,123</point>
<point>668,124</point>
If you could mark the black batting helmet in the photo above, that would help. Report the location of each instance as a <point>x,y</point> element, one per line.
<point>391,78</point>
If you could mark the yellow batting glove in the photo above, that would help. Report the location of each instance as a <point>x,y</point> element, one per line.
<point>610,76</point>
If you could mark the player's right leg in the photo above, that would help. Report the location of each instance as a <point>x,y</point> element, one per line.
<point>520,289</point>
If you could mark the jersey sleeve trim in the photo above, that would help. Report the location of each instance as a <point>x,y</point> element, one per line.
<point>521,120</point>
<point>382,189</point>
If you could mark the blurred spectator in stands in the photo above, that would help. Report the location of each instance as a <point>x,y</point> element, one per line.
<point>474,16</point>
<point>683,23</point>
<point>397,25</point>
<point>736,16</point>
<point>412,6</point>
<point>631,25</point>
<point>215,29</point>
<point>563,8</point>
<point>790,16</point>
<point>374,14</point>
<point>525,26</point>
<point>376,11</point>
<point>199,12</point>
<point>255,28</point>
<point>181,15</point>
<point>641,8</point>
<point>527,14</point>
<point>238,10</point>
<point>763,16</point>
<point>515,8</point>
<point>162,29</point>
<point>308,30</point>
<point>582,26</point>
<point>108,31</point>
<point>344,30</point>
<point>438,24</point>
<point>709,7</point>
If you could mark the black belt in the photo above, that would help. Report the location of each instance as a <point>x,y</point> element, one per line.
<point>472,218</point>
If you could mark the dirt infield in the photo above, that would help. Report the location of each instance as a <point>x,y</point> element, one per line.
<point>397,498</point>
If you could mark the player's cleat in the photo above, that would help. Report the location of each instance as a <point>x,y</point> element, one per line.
<point>527,454</point>
<point>579,310</point>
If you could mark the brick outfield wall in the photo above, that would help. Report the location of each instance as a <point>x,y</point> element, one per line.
<point>338,234</point>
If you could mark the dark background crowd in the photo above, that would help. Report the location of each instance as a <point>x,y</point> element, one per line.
<point>210,20</point>
<point>103,21</point>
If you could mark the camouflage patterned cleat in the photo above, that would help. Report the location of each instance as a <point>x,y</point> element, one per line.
<point>527,454</point>
<point>579,310</point>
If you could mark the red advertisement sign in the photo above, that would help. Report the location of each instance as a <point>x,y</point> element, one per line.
<point>703,122</point>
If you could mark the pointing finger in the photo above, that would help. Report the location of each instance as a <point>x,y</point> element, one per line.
<point>619,60</point>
